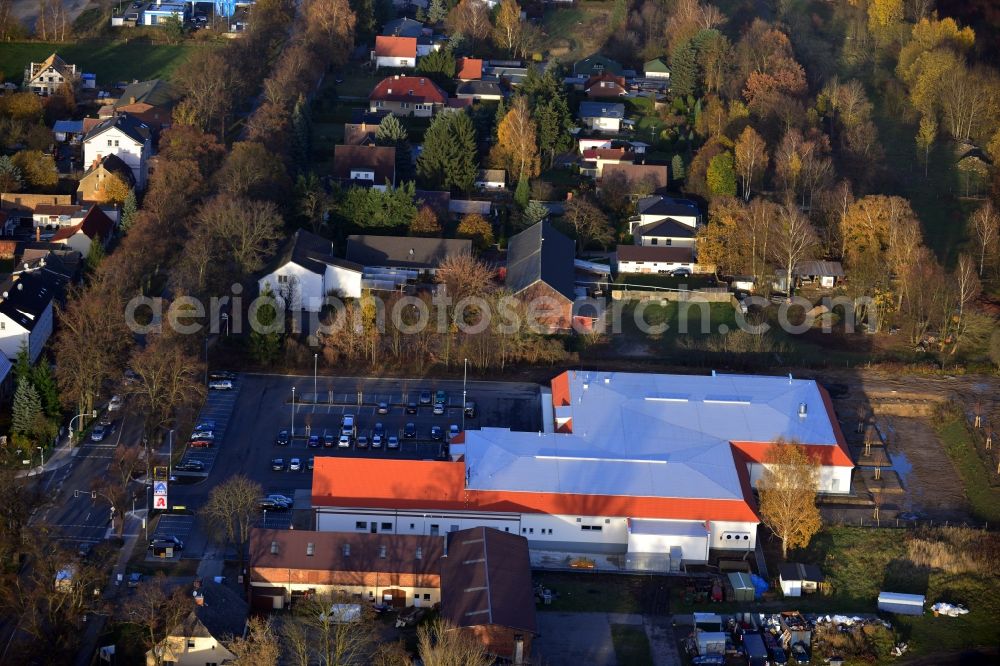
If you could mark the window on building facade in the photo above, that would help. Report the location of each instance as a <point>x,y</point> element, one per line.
<point>386,526</point>
<point>361,525</point>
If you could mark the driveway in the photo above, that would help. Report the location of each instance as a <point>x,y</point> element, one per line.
<point>572,639</point>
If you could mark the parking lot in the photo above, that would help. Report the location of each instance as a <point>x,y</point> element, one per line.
<point>218,408</point>
<point>171,525</point>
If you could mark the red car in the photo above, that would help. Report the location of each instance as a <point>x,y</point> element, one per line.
<point>201,443</point>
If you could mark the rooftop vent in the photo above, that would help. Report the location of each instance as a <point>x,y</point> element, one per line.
<point>274,547</point>
<point>310,549</point>
<point>802,410</point>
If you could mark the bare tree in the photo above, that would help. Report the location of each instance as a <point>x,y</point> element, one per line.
<point>589,223</point>
<point>463,275</point>
<point>259,648</point>
<point>333,640</point>
<point>794,241</point>
<point>967,289</point>
<point>986,227</point>
<point>157,609</point>
<point>787,492</point>
<point>751,159</point>
<point>244,230</point>
<point>441,644</point>
<point>232,506</point>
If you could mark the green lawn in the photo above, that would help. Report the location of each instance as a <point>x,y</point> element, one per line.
<point>631,644</point>
<point>356,81</point>
<point>111,61</point>
<point>681,318</point>
<point>983,496</point>
<point>604,593</point>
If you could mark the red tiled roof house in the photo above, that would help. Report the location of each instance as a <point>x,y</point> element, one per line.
<point>408,96</point>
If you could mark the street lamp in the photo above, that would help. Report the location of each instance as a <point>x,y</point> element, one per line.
<point>315,393</point>
<point>293,413</point>
<point>42,452</point>
<point>225,322</point>
<point>465,377</point>
<point>170,459</point>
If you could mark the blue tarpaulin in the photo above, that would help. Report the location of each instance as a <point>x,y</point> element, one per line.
<point>759,586</point>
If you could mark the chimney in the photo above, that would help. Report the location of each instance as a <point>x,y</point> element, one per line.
<point>803,409</point>
<point>38,234</point>
<point>569,196</point>
<point>199,600</point>
<point>131,100</point>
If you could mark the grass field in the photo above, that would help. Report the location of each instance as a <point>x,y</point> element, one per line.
<point>984,498</point>
<point>111,61</point>
<point>631,644</point>
<point>583,28</point>
<point>604,593</point>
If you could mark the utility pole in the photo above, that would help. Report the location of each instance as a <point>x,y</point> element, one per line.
<point>293,414</point>
<point>465,378</point>
<point>315,392</point>
<point>170,459</point>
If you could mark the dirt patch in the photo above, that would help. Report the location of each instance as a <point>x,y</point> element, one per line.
<point>931,483</point>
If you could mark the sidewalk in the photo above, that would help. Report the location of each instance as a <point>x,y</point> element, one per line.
<point>61,456</point>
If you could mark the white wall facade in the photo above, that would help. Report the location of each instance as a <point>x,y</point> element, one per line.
<point>304,287</point>
<point>597,534</point>
<point>13,335</point>
<point>342,281</point>
<point>693,549</point>
<point>604,124</point>
<point>415,596</point>
<point>115,142</point>
<point>665,241</point>
<point>689,220</point>
<point>833,480</point>
<point>653,266</point>
<point>47,82</point>
<point>195,651</point>
<point>395,61</point>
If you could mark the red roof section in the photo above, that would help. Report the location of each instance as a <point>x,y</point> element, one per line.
<point>94,225</point>
<point>395,47</point>
<point>607,154</point>
<point>560,389</point>
<point>425,484</point>
<point>416,89</point>
<point>469,69</point>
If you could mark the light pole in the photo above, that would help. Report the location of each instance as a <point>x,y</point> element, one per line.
<point>92,415</point>
<point>170,458</point>
<point>465,378</point>
<point>206,359</point>
<point>265,519</point>
<point>293,413</point>
<point>42,452</point>
<point>225,322</point>
<point>315,365</point>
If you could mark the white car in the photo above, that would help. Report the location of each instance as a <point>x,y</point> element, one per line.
<point>345,441</point>
<point>295,465</point>
<point>221,385</point>
<point>115,403</point>
<point>202,434</point>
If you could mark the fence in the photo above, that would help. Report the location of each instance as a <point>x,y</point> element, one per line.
<point>622,292</point>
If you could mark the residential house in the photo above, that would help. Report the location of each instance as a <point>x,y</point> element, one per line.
<point>44,78</point>
<point>821,274</point>
<point>480,91</point>
<point>359,134</point>
<point>373,563</point>
<point>403,27</point>
<point>91,187</point>
<point>306,271</point>
<point>656,69</point>
<point>428,43</point>
<point>647,177</point>
<point>419,254</point>
<point>796,579</point>
<point>462,207</point>
<point>469,69</point>
<point>20,206</point>
<point>96,227</point>
<point>657,207</point>
<point>487,591</point>
<point>157,13</point>
<point>68,130</point>
<point>408,95</point>
<point>595,159</point>
<point>605,86</point>
<point>602,116</point>
<point>367,166</point>
<point>26,313</point>
<point>509,74</point>
<point>52,216</point>
<point>395,52</point>
<point>152,102</point>
<point>491,179</point>
<point>652,259</point>
<point>217,615</point>
<point>596,65</point>
<point>540,271</point>
<point>667,232</point>
<point>127,137</point>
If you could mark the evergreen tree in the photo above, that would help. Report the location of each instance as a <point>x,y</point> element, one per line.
<point>683,70</point>
<point>721,176</point>
<point>391,132</point>
<point>449,159</point>
<point>523,192</point>
<point>128,212</point>
<point>534,213</point>
<point>266,344</point>
<point>501,112</point>
<point>95,255</point>
<point>677,167</point>
<point>11,179</point>
<point>48,390</point>
<point>466,164</point>
<point>300,134</point>
<point>438,65</point>
<point>22,364</point>
<point>364,10</point>
<point>437,11</point>
<point>27,406</point>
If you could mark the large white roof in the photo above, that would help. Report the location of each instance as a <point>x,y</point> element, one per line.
<point>649,435</point>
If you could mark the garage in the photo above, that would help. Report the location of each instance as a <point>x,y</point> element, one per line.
<point>659,536</point>
<point>395,597</point>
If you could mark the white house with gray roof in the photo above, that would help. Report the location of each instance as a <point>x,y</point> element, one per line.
<point>306,271</point>
<point>602,116</point>
<point>125,136</point>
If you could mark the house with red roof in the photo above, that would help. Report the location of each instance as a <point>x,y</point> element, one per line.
<point>469,69</point>
<point>96,226</point>
<point>604,86</point>
<point>393,51</point>
<point>408,96</point>
<point>652,467</point>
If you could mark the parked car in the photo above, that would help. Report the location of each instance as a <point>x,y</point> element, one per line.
<point>166,542</point>
<point>115,403</point>
<point>411,408</point>
<point>393,442</point>
<point>283,438</point>
<point>295,465</point>
<point>410,430</point>
<point>470,409</point>
<point>202,444</point>
<point>329,439</point>
<point>134,579</point>
<point>681,272</point>
<point>203,433</point>
<point>438,408</point>
<point>377,438</point>
<point>383,408</point>
<point>222,374</point>
<point>278,464</point>
<point>425,397</point>
<point>190,466</point>
<point>97,434</point>
<point>453,431</point>
<point>437,433</point>
<point>362,442</point>
<point>344,442</point>
<point>441,397</point>
<point>313,441</point>
<point>268,504</point>
<point>311,463</point>
<point>221,385</point>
